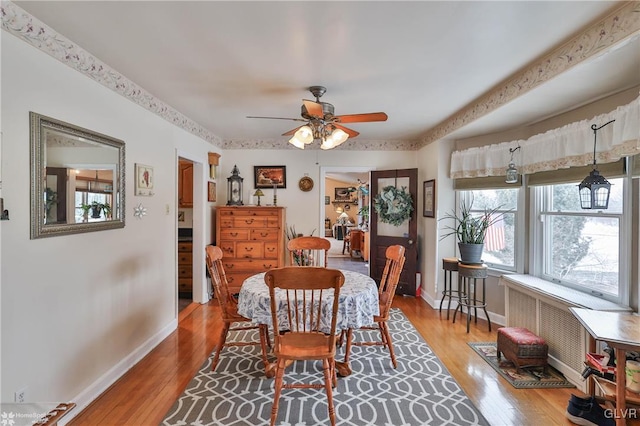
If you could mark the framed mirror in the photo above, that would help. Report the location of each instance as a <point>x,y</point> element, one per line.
<point>77,179</point>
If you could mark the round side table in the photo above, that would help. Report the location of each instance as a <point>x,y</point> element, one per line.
<point>470,277</point>
<point>449,266</point>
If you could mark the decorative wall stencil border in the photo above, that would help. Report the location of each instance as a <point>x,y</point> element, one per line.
<point>361,145</point>
<point>619,25</point>
<point>26,27</point>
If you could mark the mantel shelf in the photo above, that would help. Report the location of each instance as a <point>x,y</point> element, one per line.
<point>345,202</point>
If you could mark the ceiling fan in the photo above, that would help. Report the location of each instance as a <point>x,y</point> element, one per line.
<point>322,124</point>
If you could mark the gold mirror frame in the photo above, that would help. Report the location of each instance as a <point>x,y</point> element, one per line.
<point>41,128</point>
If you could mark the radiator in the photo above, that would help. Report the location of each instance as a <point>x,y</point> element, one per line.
<point>551,320</point>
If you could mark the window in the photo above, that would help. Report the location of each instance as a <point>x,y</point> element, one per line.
<point>500,241</point>
<point>580,248</point>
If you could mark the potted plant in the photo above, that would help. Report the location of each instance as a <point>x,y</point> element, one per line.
<point>364,213</point>
<point>96,208</point>
<point>470,229</point>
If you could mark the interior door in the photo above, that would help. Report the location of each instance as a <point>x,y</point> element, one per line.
<point>384,235</point>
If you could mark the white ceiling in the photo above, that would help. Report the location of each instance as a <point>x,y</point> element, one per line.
<point>420,62</point>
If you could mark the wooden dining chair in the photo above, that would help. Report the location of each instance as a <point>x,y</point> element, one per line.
<point>229,309</point>
<point>309,251</point>
<point>302,329</point>
<point>386,291</point>
<point>356,241</point>
<point>346,238</point>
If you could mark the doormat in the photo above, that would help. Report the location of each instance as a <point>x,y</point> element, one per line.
<point>528,378</point>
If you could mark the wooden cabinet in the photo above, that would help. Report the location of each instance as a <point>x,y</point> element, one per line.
<point>185,267</point>
<point>252,240</point>
<point>365,247</point>
<point>185,184</point>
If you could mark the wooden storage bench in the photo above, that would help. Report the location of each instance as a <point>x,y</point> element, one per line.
<point>522,347</point>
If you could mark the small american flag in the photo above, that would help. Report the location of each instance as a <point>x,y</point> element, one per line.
<point>494,239</point>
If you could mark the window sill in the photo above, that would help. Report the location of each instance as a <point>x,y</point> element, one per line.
<point>567,295</point>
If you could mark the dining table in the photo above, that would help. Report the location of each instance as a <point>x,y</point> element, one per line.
<point>358,303</point>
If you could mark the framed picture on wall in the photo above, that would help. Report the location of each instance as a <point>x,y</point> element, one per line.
<point>267,176</point>
<point>342,194</point>
<point>429,198</point>
<point>144,179</point>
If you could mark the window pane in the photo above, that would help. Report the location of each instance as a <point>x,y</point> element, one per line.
<point>499,242</point>
<point>565,198</point>
<point>584,251</point>
<point>499,245</point>
<point>493,198</point>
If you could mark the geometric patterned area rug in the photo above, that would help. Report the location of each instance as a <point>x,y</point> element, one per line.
<point>419,392</point>
<point>528,378</point>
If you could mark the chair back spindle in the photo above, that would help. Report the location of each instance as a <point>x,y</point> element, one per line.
<point>308,251</point>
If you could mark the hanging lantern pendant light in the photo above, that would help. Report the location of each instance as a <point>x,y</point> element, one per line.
<point>512,171</point>
<point>595,189</point>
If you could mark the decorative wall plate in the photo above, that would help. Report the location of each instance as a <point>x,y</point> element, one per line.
<point>305,184</point>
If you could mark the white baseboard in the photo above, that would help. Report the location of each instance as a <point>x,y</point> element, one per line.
<point>496,319</point>
<point>91,393</point>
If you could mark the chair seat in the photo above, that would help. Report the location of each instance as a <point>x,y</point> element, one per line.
<point>304,346</point>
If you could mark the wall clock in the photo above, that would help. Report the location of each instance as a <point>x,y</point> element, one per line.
<point>305,184</point>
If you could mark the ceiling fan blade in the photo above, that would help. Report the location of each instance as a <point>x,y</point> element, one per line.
<point>351,133</point>
<point>277,118</point>
<point>291,132</point>
<point>314,109</point>
<point>361,118</point>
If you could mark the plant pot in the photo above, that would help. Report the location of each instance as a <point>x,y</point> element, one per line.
<point>95,212</point>
<point>470,253</point>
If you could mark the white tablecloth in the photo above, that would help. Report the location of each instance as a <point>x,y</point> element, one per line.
<point>357,305</point>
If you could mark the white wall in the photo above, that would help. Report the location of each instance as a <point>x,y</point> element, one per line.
<point>77,311</point>
<point>303,208</point>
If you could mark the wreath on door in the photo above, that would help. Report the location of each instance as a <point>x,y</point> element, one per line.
<point>393,205</point>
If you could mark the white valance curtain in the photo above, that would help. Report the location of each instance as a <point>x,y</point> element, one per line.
<point>567,146</point>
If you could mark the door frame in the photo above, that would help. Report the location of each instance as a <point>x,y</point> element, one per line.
<point>323,176</point>
<point>199,291</point>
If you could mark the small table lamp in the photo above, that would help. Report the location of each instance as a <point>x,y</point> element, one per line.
<point>343,218</point>
<point>258,194</point>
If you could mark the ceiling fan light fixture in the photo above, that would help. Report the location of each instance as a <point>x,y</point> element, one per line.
<point>303,136</point>
<point>339,136</point>
<point>327,144</point>
<point>296,142</point>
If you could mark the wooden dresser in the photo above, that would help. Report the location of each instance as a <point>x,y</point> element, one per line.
<point>252,239</point>
<point>185,267</point>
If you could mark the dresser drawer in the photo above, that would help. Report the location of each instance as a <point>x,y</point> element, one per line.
<point>188,247</point>
<point>235,281</point>
<point>253,250</point>
<point>271,250</point>
<point>228,248</point>
<point>185,285</point>
<point>248,265</point>
<point>185,271</point>
<point>251,221</point>
<point>247,212</point>
<point>234,234</point>
<point>264,234</point>
<point>185,258</point>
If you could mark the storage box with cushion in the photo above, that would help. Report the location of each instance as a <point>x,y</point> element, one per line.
<point>522,347</point>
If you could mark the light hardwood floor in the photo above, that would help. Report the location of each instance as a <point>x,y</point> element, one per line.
<point>147,391</point>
